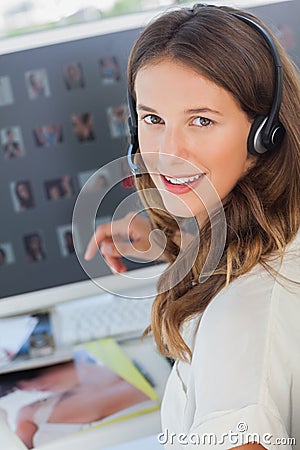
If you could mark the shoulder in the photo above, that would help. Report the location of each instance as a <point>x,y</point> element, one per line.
<point>254,296</point>
<point>248,316</point>
<point>291,258</point>
<point>242,304</point>
<point>237,323</point>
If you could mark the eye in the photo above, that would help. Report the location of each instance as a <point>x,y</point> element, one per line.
<point>152,119</point>
<point>202,122</point>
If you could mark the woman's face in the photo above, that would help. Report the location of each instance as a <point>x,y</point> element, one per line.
<point>34,243</point>
<point>23,191</point>
<point>54,192</point>
<point>192,136</point>
<point>73,72</point>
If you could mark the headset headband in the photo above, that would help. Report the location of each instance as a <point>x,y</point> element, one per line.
<point>277,95</point>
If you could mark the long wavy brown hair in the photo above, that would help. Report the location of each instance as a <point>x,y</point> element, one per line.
<point>262,210</point>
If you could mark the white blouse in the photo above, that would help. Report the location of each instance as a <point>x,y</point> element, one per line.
<point>244,378</point>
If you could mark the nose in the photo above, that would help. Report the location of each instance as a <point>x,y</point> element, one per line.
<point>173,142</point>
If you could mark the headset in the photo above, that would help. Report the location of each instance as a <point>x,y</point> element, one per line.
<point>266,132</point>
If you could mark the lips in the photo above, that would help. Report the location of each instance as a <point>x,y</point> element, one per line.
<point>181,184</point>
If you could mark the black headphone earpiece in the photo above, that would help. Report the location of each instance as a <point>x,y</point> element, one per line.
<point>254,142</point>
<point>260,142</point>
<point>266,132</point>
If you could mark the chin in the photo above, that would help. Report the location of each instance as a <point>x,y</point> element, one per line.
<point>176,206</point>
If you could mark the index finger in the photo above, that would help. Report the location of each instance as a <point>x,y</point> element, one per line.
<point>102,232</point>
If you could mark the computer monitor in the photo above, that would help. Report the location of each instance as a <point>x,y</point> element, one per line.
<point>63,115</point>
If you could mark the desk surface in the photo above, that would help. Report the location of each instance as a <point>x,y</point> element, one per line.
<point>140,426</point>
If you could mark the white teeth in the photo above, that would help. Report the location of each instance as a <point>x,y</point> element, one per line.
<point>183,180</point>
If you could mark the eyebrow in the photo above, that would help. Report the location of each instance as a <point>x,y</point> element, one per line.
<point>141,107</point>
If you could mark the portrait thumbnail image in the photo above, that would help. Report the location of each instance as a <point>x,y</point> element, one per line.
<point>7,255</point>
<point>48,135</point>
<point>65,240</point>
<point>12,143</point>
<point>59,188</point>
<point>37,84</point>
<point>98,180</point>
<point>73,76</point>
<point>83,127</point>
<point>109,70</point>
<point>6,92</point>
<point>22,195</point>
<point>34,247</point>
<point>117,120</point>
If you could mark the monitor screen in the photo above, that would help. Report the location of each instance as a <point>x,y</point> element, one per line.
<point>63,115</point>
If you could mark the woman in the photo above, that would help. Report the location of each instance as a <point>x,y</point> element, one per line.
<point>12,147</point>
<point>24,195</point>
<point>83,127</point>
<point>200,78</point>
<point>34,248</point>
<point>36,84</point>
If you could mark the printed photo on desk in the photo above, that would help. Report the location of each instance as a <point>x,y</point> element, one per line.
<point>97,386</point>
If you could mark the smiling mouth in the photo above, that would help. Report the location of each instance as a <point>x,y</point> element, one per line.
<point>183,180</point>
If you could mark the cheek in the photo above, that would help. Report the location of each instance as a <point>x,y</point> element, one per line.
<point>229,168</point>
<point>149,137</point>
<point>230,152</point>
<point>145,143</point>
<point>148,155</point>
<point>228,161</point>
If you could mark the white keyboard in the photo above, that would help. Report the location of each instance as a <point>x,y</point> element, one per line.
<point>100,316</point>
